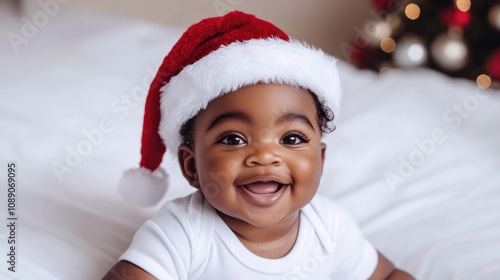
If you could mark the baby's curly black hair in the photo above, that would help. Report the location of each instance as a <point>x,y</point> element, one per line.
<point>324,113</point>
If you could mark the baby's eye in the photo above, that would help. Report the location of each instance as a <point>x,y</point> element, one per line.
<point>231,139</point>
<point>294,139</point>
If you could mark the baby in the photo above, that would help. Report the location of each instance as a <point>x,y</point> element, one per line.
<point>245,108</point>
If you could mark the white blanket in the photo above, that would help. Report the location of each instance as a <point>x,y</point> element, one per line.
<point>415,156</point>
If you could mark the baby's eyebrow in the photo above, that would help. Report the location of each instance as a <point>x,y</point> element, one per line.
<point>228,116</point>
<point>289,117</point>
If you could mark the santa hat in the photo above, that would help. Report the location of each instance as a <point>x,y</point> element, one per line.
<point>214,57</point>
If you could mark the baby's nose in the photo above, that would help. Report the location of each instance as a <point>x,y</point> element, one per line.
<point>263,154</point>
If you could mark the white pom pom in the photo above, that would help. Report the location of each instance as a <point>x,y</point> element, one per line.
<point>143,187</point>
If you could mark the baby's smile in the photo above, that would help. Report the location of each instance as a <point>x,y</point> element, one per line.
<point>263,191</point>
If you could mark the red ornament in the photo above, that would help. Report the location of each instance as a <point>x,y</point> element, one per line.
<point>383,4</point>
<point>493,65</point>
<point>455,17</point>
<point>360,55</point>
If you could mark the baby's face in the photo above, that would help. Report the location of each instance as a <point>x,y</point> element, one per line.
<point>257,154</point>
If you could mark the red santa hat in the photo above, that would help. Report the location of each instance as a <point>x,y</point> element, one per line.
<point>214,57</point>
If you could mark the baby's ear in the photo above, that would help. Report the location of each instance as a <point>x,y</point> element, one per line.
<point>188,165</point>
<point>323,152</point>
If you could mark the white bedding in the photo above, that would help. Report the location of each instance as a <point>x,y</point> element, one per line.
<point>439,221</point>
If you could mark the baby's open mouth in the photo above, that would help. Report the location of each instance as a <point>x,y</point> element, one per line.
<point>263,188</point>
<point>263,193</point>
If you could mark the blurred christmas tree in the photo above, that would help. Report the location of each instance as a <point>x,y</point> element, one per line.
<point>458,37</point>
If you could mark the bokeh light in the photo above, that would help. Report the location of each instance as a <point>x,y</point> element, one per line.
<point>388,45</point>
<point>483,81</point>
<point>463,5</point>
<point>412,11</point>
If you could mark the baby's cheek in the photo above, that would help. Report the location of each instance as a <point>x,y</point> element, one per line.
<point>308,167</point>
<point>308,162</point>
<point>233,166</point>
<point>218,172</point>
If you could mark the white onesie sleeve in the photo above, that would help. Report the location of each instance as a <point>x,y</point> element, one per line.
<point>155,253</point>
<point>164,246</point>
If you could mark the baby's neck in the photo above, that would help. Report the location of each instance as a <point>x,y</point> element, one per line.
<point>267,242</point>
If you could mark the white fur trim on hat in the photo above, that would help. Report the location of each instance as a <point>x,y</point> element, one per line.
<point>240,64</point>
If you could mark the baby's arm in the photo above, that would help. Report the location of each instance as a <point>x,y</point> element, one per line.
<point>386,270</point>
<point>125,270</point>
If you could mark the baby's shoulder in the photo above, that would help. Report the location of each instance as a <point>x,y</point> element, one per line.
<point>190,214</point>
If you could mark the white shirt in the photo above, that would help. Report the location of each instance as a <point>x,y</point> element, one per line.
<point>186,239</point>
